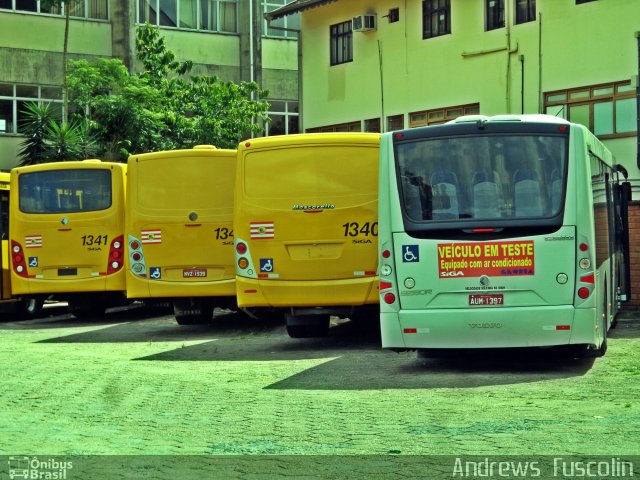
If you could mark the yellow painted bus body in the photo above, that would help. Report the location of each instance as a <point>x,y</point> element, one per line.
<point>305,221</point>
<point>179,219</point>
<point>66,228</point>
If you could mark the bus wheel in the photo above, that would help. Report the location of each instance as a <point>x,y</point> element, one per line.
<point>307,326</point>
<point>85,310</point>
<point>191,311</point>
<point>30,307</point>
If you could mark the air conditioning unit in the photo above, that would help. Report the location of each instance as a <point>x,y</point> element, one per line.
<point>364,23</point>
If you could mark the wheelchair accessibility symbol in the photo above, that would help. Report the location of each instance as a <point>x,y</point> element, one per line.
<point>154,273</point>
<point>266,265</point>
<point>33,261</point>
<point>410,253</point>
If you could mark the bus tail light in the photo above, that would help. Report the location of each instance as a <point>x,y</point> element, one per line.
<point>389,298</point>
<point>385,285</point>
<point>241,248</point>
<point>583,292</point>
<point>136,258</point>
<point>243,263</point>
<point>585,284</point>
<point>19,263</point>
<point>116,252</point>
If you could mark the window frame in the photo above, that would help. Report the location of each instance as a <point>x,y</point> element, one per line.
<point>431,116</point>
<point>431,8</point>
<point>15,98</point>
<point>494,16</point>
<point>289,112</point>
<point>270,5</point>
<point>591,99</point>
<point>529,17</point>
<point>85,8</point>
<point>198,20</point>
<point>337,42</point>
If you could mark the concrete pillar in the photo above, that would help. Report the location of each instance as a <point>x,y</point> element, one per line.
<point>123,25</point>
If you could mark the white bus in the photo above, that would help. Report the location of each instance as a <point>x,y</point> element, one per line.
<point>504,231</point>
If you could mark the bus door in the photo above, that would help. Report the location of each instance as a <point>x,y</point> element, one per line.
<point>5,278</point>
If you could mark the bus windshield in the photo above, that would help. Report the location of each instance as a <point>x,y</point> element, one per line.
<point>475,177</point>
<point>65,191</point>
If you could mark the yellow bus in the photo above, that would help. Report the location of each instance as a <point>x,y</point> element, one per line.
<point>305,222</point>
<point>180,231</point>
<point>23,306</point>
<point>67,233</point>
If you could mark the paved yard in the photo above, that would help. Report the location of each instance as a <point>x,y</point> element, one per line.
<point>137,384</point>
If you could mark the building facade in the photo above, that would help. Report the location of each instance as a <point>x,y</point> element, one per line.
<point>382,65</point>
<point>227,38</point>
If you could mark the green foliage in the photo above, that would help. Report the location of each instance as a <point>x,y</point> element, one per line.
<point>48,140</point>
<point>160,109</point>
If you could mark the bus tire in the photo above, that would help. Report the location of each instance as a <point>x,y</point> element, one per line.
<point>30,307</point>
<point>190,311</point>
<point>307,326</point>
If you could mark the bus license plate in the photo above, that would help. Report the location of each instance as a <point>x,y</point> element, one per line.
<point>194,273</point>
<point>478,300</point>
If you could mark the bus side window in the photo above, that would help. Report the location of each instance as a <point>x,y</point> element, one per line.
<point>527,193</point>
<point>445,189</point>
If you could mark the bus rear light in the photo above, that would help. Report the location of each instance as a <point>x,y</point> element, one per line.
<point>386,254</point>
<point>584,247</point>
<point>585,263</point>
<point>19,265</point>
<point>115,254</point>
<point>386,270</point>
<point>136,256</point>
<point>483,230</point>
<point>399,136</point>
<point>134,245</point>
<point>583,292</point>
<point>389,298</point>
<point>243,263</point>
<point>385,285</point>
<point>241,248</point>
<point>588,279</point>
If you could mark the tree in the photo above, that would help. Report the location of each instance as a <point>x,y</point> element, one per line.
<point>58,4</point>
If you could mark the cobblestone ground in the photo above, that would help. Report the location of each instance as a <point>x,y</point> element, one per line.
<point>140,384</point>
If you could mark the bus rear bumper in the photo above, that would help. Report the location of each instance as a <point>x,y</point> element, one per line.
<point>306,293</point>
<point>488,327</point>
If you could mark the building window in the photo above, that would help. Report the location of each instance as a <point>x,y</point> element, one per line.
<point>395,122</point>
<point>341,43</point>
<point>372,125</point>
<point>208,15</point>
<point>495,14</point>
<point>13,98</point>
<point>525,11</point>
<point>608,110</point>
<point>340,127</point>
<point>394,15</point>
<point>436,18</point>
<point>437,116</point>
<point>284,118</point>
<point>289,21</point>
<point>87,9</point>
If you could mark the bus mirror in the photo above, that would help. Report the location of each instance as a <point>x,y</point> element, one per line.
<point>622,170</point>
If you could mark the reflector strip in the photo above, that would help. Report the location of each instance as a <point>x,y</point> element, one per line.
<point>563,327</point>
<point>360,273</point>
<point>556,327</point>
<point>268,275</point>
<point>251,291</point>
<point>410,330</point>
<point>385,285</point>
<point>588,279</point>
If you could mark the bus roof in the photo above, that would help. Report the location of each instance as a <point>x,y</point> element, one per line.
<point>535,118</point>
<point>311,138</point>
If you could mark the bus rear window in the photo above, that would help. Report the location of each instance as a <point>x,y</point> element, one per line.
<point>65,191</point>
<point>482,177</point>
